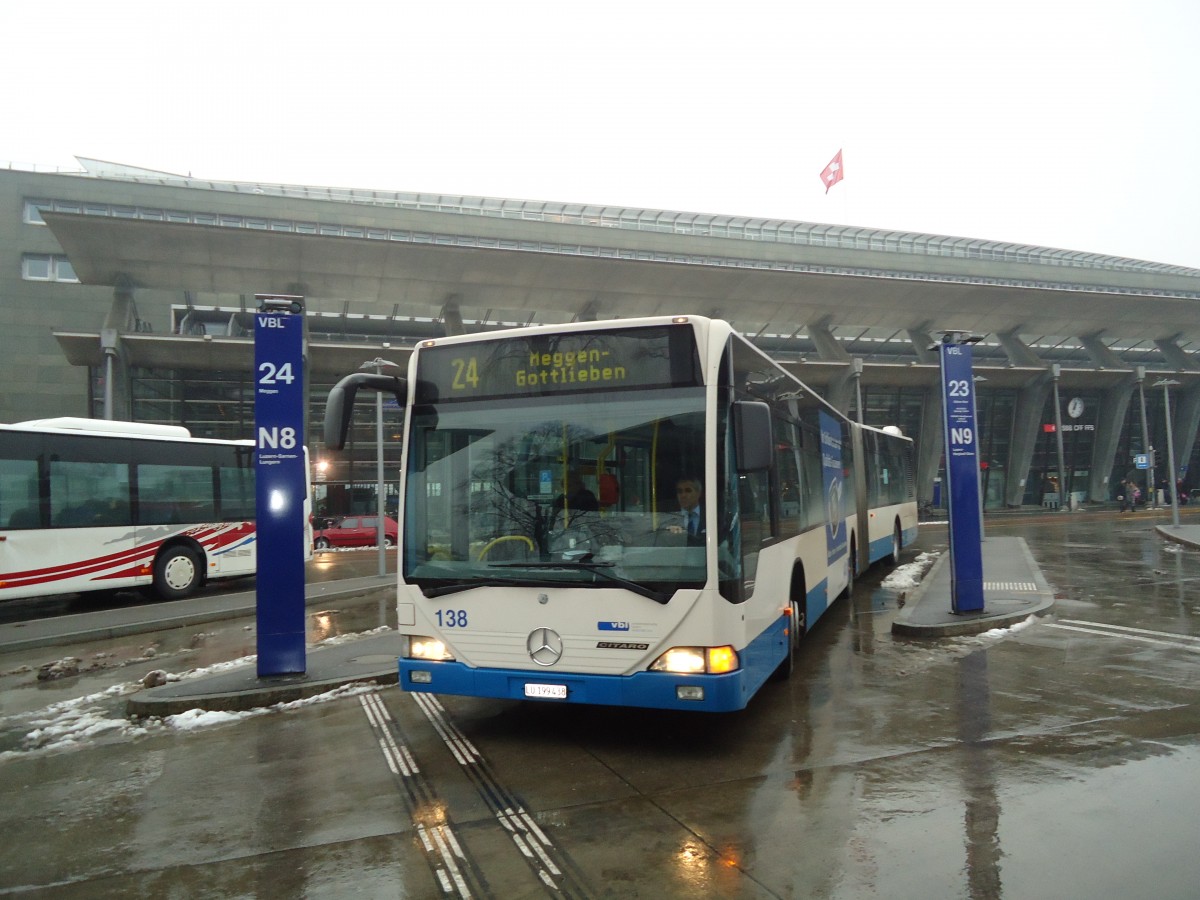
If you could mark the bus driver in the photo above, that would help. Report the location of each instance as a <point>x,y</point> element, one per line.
<point>689,491</point>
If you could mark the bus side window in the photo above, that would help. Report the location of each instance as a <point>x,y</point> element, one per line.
<point>88,493</point>
<point>189,486</point>
<point>19,493</point>
<point>109,511</point>
<point>237,493</point>
<point>23,518</point>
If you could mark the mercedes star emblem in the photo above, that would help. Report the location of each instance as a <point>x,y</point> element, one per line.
<point>544,646</point>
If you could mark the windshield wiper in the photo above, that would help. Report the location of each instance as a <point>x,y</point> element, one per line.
<point>461,586</point>
<point>516,582</point>
<point>596,568</point>
<point>443,590</point>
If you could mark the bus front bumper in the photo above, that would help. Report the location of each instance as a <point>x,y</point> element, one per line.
<point>657,690</point>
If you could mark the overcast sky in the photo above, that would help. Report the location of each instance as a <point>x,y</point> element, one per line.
<point>1051,122</point>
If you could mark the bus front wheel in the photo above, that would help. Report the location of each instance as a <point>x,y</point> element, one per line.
<point>795,631</point>
<point>176,573</point>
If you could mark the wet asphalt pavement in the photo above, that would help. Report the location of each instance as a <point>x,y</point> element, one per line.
<point>1055,759</point>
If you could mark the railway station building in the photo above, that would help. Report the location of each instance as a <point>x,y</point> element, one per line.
<point>129,294</point>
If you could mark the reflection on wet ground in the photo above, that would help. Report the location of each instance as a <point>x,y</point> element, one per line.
<point>324,566</point>
<point>1055,758</point>
<point>83,687</point>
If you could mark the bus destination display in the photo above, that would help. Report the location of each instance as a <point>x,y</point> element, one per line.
<point>562,363</point>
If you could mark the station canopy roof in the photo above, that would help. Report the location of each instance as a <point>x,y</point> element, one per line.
<point>534,262</point>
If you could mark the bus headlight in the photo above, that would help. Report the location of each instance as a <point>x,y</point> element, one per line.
<point>697,661</point>
<point>421,647</point>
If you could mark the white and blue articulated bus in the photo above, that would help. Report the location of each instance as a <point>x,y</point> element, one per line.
<point>544,554</point>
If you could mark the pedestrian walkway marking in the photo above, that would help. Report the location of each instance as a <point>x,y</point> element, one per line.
<point>398,758</point>
<point>450,865</point>
<point>1009,586</point>
<point>1181,641</point>
<point>545,859</point>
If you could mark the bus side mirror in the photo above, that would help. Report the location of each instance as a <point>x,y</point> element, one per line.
<point>339,406</point>
<point>752,435</point>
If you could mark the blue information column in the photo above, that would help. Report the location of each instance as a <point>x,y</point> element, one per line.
<point>280,482</point>
<point>962,476</point>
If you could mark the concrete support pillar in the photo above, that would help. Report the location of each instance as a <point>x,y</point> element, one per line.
<point>1186,423</point>
<point>922,340</point>
<point>1114,404</point>
<point>122,318</point>
<point>828,348</point>
<point>1101,356</point>
<point>840,391</point>
<point>929,444</point>
<point>1027,420</point>
<point>452,316</point>
<point>1018,352</point>
<point>1175,355</point>
<point>122,314</point>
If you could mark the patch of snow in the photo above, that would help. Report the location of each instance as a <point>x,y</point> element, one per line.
<point>353,636</point>
<point>70,723</point>
<point>909,575</point>
<point>203,718</point>
<point>997,633</point>
<point>75,723</point>
<point>194,719</point>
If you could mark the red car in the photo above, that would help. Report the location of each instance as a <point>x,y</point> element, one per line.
<point>356,531</point>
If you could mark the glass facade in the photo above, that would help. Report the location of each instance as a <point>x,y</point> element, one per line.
<point>996,412</point>
<point>220,404</point>
<point>1078,440</point>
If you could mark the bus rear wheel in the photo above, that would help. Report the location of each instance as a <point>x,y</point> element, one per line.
<point>176,573</point>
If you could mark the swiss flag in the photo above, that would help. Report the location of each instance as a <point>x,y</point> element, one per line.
<point>833,172</point>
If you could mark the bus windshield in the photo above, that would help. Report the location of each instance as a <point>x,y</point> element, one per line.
<point>572,490</point>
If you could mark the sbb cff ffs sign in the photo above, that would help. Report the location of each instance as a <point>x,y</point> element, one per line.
<point>280,482</point>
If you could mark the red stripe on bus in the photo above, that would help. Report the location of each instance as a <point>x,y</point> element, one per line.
<point>209,537</point>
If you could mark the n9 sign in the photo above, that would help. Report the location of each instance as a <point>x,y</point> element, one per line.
<point>962,475</point>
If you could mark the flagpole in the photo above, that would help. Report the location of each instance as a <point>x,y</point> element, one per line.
<point>845,195</point>
<point>845,204</point>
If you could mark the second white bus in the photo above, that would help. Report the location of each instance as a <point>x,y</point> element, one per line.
<point>89,504</point>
